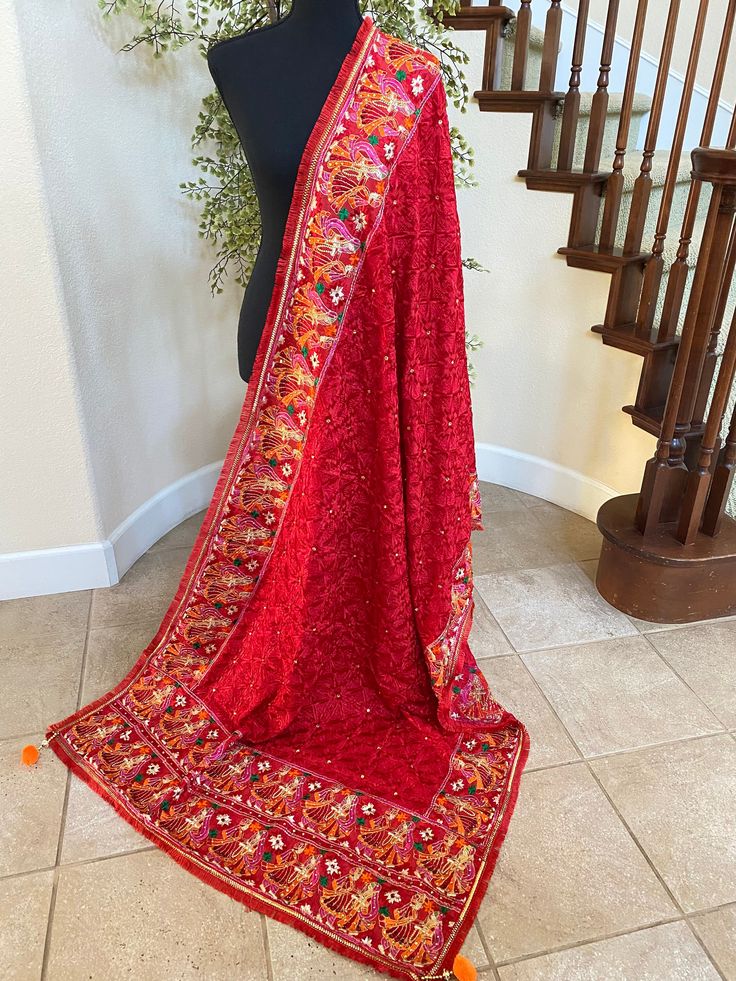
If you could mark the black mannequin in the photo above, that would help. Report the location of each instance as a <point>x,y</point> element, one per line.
<point>274,82</point>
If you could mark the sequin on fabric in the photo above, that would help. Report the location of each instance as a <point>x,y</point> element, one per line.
<point>309,730</point>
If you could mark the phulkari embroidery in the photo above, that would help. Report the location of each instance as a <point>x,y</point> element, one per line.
<point>309,730</point>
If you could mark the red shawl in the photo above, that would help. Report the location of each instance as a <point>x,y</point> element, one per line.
<point>309,731</point>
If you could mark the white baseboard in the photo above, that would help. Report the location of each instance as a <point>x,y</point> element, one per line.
<point>89,566</point>
<point>542,478</point>
<point>94,564</point>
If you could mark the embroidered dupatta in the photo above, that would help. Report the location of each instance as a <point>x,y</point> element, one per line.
<point>308,731</point>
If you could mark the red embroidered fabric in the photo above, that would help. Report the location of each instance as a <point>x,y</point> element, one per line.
<point>309,730</point>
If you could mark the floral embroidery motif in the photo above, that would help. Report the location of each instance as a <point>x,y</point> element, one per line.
<point>357,869</point>
<point>476,509</point>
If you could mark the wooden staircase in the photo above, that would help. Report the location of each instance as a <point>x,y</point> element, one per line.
<point>669,552</point>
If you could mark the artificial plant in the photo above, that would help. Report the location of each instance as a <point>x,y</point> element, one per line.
<point>224,189</point>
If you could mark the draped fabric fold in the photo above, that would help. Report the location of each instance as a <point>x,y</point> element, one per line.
<point>309,730</point>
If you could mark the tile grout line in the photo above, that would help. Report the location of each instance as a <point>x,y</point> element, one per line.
<point>616,810</point>
<point>561,647</point>
<point>683,917</point>
<point>64,808</point>
<point>601,938</point>
<point>711,957</point>
<point>486,950</point>
<point>609,799</point>
<point>492,968</point>
<point>485,605</point>
<point>661,628</point>
<point>152,622</point>
<point>705,950</point>
<point>687,685</point>
<point>553,647</point>
<point>584,759</point>
<point>657,874</point>
<point>266,948</point>
<point>554,712</point>
<point>628,752</point>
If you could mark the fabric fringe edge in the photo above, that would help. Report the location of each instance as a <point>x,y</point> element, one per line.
<point>253,902</point>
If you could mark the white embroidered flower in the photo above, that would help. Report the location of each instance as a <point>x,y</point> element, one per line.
<point>393,897</point>
<point>471,744</point>
<point>125,736</point>
<point>314,358</point>
<point>224,820</point>
<point>332,866</point>
<point>211,648</point>
<point>360,220</point>
<point>153,769</point>
<point>277,842</point>
<point>368,809</point>
<point>232,610</point>
<point>427,834</point>
<point>340,129</point>
<point>388,150</point>
<point>302,417</point>
<point>370,61</point>
<point>180,700</point>
<point>300,276</point>
<point>367,941</point>
<point>417,85</point>
<point>213,733</point>
<point>457,785</point>
<point>270,518</point>
<point>176,793</point>
<point>306,908</point>
<point>336,295</point>
<point>315,785</point>
<point>264,766</point>
<point>286,469</point>
<point>252,565</point>
<point>460,573</point>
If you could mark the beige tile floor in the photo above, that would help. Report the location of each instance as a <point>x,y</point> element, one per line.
<point>620,863</point>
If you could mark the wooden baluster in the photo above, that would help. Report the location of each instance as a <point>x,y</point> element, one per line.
<point>552,28</point>
<point>599,107</point>
<point>655,266</point>
<point>492,51</point>
<point>615,183</point>
<point>678,274</point>
<point>571,111</point>
<point>666,472</point>
<point>521,46</point>
<point>722,482</point>
<point>698,482</point>
<point>643,183</point>
<point>705,380</point>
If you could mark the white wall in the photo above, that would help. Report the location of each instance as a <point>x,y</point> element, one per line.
<point>46,494</point>
<point>138,391</point>
<point>546,386</point>
<point>153,354</point>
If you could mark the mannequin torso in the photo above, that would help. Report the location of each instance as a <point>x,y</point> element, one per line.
<point>274,82</point>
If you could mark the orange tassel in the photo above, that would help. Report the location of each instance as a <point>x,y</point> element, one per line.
<point>29,755</point>
<point>463,969</point>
